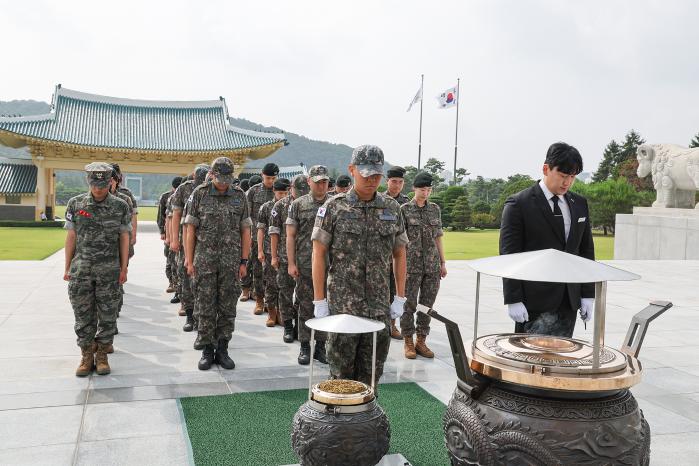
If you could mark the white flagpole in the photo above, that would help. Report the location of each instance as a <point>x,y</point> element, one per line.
<point>422,97</point>
<point>456,133</point>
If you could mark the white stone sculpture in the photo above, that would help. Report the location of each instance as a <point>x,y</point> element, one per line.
<point>675,173</point>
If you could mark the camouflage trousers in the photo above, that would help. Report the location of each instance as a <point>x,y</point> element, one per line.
<point>419,288</point>
<point>185,292</point>
<point>216,300</point>
<point>95,302</point>
<point>255,278</point>
<point>285,285</point>
<point>304,296</point>
<point>271,289</point>
<point>349,354</point>
<point>170,265</point>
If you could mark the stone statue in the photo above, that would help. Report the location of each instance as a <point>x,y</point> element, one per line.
<point>675,173</point>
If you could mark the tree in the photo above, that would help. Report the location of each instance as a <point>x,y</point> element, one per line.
<point>409,177</point>
<point>628,169</point>
<point>482,220</point>
<point>438,199</point>
<point>434,166</point>
<point>628,150</point>
<point>481,207</point>
<point>606,199</point>
<point>609,158</point>
<point>514,184</point>
<point>694,142</point>
<point>461,173</point>
<point>461,214</point>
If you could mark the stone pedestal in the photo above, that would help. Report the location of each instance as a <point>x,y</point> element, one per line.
<point>657,233</point>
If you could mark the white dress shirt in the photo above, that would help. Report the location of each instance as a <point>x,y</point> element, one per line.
<point>562,204</point>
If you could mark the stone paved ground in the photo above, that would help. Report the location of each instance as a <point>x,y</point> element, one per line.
<point>48,416</point>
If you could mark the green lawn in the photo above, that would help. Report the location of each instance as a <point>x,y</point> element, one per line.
<point>474,244</point>
<point>144,213</point>
<point>30,243</point>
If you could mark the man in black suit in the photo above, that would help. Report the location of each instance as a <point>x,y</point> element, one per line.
<point>544,216</point>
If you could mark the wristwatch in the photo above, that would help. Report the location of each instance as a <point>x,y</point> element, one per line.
<point>243,261</point>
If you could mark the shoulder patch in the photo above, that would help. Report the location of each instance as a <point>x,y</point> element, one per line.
<point>321,212</point>
<point>274,212</point>
<point>69,216</point>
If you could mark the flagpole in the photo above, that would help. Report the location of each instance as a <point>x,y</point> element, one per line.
<point>456,132</point>
<point>419,144</point>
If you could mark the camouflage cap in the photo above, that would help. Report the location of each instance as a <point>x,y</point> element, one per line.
<point>300,184</point>
<point>200,173</point>
<point>368,159</point>
<point>318,173</point>
<point>222,170</point>
<point>99,174</point>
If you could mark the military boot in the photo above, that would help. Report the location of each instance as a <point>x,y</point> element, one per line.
<point>101,362</point>
<point>305,353</point>
<point>272,317</point>
<point>421,348</point>
<point>175,299</point>
<point>189,324</point>
<point>245,295</point>
<point>259,305</point>
<point>110,348</point>
<point>288,331</point>
<point>319,352</point>
<point>222,358</point>
<point>409,348</point>
<point>170,288</point>
<point>207,358</point>
<point>87,362</point>
<point>395,333</point>
<point>182,312</point>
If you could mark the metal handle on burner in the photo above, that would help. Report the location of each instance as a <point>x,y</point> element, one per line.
<point>639,325</point>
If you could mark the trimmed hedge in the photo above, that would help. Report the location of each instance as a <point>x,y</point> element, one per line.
<point>26,223</point>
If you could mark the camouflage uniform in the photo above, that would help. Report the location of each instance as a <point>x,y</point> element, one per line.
<point>93,288</point>
<point>270,275</point>
<point>219,219</point>
<point>400,199</point>
<point>172,255</point>
<point>162,215</point>
<point>126,199</point>
<point>179,200</point>
<point>285,282</point>
<point>360,237</point>
<point>302,214</point>
<point>423,225</point>
<point>256,196</point>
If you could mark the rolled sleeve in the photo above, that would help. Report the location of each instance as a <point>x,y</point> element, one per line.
<point>246,223</point>
<point>290,221</point>
<point>321,236</point>
<point>274,230</point>
<point>125,228</point>
<point>69,225</point>
<point>400,240</point>
<point>191,220</point>
<point>261,226</point>
<point>439,233</point>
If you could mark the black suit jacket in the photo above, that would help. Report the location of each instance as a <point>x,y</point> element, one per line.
<point>528,224</point>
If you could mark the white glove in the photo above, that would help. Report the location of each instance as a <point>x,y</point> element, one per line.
<point>397,306</point>
<point>518,312</point>
<point>587,306</point>
<point>320,308</point>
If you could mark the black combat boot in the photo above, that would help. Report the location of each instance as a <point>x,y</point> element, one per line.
<point>288,331</point>
<point>189,324</point>
<point>222,358</point>
<point>175,299</point>
<point>207,358</point>
<point>305,353</point>
<point>319,352</point>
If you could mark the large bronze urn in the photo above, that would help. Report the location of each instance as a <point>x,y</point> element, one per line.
<point>524,399</point>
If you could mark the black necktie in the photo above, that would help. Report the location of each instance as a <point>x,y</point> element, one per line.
<point>558,217</point>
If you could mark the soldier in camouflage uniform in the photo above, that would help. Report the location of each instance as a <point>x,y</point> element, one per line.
<point>256,196</point>
<point>264,252</point>
<point>426,265</point>
<point>172,254</point>
<point>280,260</point>
<point>343,184</point>
<point>299,247</point>
<point>96,253</point>
<point>179,201</point>
<point>219,244</point>
<point>126,191</point>
<point>359,232</point>
<point>395,183</point>
<point>162,220</point>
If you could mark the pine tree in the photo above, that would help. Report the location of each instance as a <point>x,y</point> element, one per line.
<point>695,141</point>
<point>609,157</point>
<point>461,214</point>
<point>628,150</point>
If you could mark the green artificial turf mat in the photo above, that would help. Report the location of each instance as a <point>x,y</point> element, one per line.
<point>255,428</point>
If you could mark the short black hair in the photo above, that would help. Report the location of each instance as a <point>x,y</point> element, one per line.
<point>564,157</point>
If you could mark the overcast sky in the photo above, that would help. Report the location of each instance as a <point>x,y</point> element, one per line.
<point>532,72</point>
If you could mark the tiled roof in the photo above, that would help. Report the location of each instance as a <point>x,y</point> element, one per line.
<point>110,122</point>
<point>17,178</point>
<point>284,172</point>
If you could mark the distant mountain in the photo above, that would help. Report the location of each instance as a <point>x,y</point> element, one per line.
<point>300,148</point>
